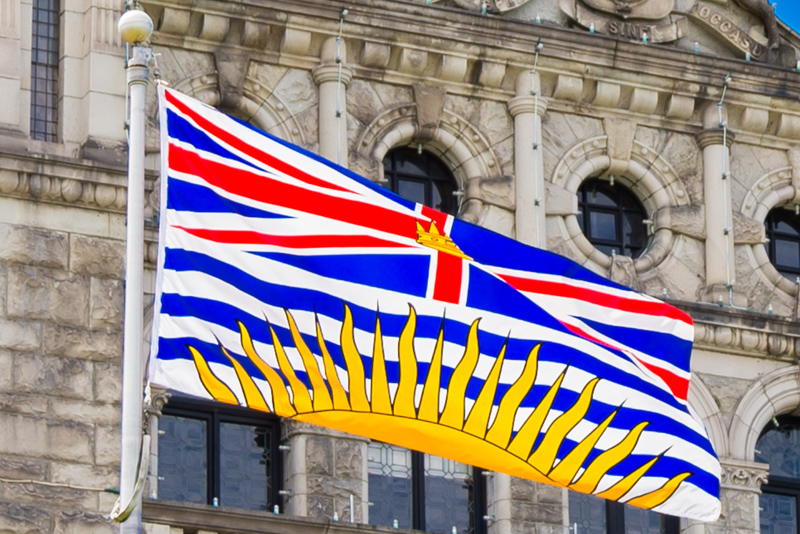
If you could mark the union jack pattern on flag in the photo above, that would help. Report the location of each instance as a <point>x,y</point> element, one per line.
<point>290,285</point>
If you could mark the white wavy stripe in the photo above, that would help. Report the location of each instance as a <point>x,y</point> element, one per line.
<point>183,377</point>
<point>284,153</point>
<point>643,356</point>
<point>307,226</point>
<point>215,289</point>
<point>282,274</point>
<point>599,313</point>
<point>691,501</point>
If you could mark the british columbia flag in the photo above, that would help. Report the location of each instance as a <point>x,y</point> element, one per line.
<point>290,285</point>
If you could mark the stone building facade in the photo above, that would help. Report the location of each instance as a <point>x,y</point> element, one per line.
<point>624,89</point>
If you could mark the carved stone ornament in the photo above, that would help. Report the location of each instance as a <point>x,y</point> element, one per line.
<point>624,18</point>
<point>743,476</point>
<point>739,38</point>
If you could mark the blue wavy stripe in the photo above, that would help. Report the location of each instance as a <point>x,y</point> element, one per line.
<point>182,130</point>
<point>194,198</point>
<point>665,347</point>
<point>225,315</point>
<point>310,300</point>
<point>365,269</point>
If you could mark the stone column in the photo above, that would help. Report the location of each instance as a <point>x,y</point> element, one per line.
<point>529,160</point>
<point>718,207</point>
<point>323,468</point>
<point>11,78</point>
<point>158,398</point>
<point>524,506</point>
<point>332,101</point>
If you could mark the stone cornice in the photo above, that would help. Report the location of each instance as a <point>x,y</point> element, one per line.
<point>479,56</point>
<point>46,178</point>
<point>734,331</point>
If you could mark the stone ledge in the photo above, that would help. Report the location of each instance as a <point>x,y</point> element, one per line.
<point>195,517</point>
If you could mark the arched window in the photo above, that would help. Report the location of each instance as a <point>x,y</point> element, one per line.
<point>421,177</point>
<point>783,234</point>
<point>779,446</point>
<point>612,218</point>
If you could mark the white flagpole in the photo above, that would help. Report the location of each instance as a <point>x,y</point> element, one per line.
<point>135,27</point>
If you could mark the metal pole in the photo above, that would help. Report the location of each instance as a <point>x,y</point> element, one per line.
<point>132,389</point>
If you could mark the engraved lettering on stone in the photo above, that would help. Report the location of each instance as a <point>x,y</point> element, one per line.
<point>729,30</point>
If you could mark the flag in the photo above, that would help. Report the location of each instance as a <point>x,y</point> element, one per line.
<point>293,286</point>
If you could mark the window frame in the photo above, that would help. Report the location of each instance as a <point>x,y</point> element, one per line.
<point>436,171</point>
<point>773,235</point>
<point>214,414</point>
<point>615,520</point>
<point>48,86</point>
<point>781,485</point>
<point>418,504</point>
<point>619,210</point>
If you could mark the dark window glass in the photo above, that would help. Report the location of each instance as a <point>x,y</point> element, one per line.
<point>779,446</point>
<point>424,492</point>
<point>44,70</point>
<point>591,515</point>
<point>783,234</point>
<point>209,451</point>
<point>421,178</point>
<point>612,218</point>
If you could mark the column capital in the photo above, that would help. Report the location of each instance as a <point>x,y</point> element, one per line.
<point>714,136</point>
<point>527,104</point>
<point>330,73</point>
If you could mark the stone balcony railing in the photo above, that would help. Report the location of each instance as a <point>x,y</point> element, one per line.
<point>162,517</point>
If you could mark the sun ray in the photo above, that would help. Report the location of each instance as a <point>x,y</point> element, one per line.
<point>500,433</point>
<point>380,399</point>
<point>300,397</point>
<point>567,468</point>
<point>429,404</point>
<point>214,385</point>
<point>618,490</point>
<point>407,384</point>
<point>281,403</point>
<point>355,367</point>
<point>479,415</point>
<point>601,465</point>
<point>340,401</point>
<point>322,398</point>
<point>657,497</point>
<point>252,395</point>
<point>545,454</point>
<point>453,413</point>
<point>523,442</point>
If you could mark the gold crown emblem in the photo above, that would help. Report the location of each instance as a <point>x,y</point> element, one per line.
<point>434,239</point>
<point>368,408</point>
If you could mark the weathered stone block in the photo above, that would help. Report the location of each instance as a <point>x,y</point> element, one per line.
<point>3,288</point>
<point>75,522</point>
<point>107,304</point>
<point>80,343</point>
<point>64,497</point>
<point>6,371</point>
<point>334,487</point>
<point>22,435</point>
<point>22,468</point>
<point>22,403</point>
<point>107,443</point>
<point>107,383</point>
<point>320,507</point>
<point>16,517</point>
<point>20,335</point>
<point>537,513</point>
<point>86,412</point>
<point>69,440</point>
<point>57,296</point>
<point>97,257</point>
<point>319,456</point>
<point>33,246</point>
<point>62,377</point>
<point>84,475</point>
<point>349,459</point>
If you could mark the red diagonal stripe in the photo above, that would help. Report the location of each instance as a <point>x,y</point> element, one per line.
<point>557,289</point>
<point>272,191</point>
<point>246,237</point>
<point>255,153</point>
<point>679,386</point>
